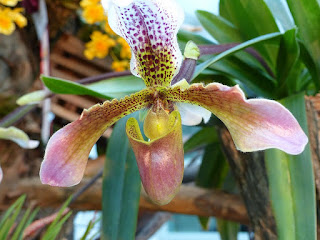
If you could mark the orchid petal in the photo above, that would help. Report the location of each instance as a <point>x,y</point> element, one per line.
<point>150,27</point>
<point>254,124</point>
<point>192,114</point>
<point>19,137</point>
<point>160,161</point>
<point>68,149</point>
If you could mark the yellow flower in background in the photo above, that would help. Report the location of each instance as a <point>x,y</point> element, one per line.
<point>7,19</point>
<point>18,18</point>
<point>125,48</point>
<point>86,3</point>
<point>99,45</point>
<point>10,3</point>
<point>120,66</point>
<point>6,23</point>
<point>92,11</point>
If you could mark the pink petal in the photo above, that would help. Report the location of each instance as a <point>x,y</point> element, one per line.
<point>160,161</point>
<point>68,149</point>
<point>254,124</point>
<point>150,27</point>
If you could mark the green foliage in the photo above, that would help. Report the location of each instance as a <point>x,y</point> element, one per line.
<point>55,227</point>
<point>26,220</point>
<point>106,89</point>
<point>244,13</point>
<point>291,182</point>
<point>11,229</point>
<point>121,187</point>
<point>214,167</point>
<point>118,87</point>
<point>294,63</point>
<point>262,88</point>
<point>8,220</point>
<point>62,86</point>
<point>218,27</point>
<point>212,174</point>
<point>205,136</point>
<point>231,51</point>
<point>286,62</point>
<point>90,226</point>
<point>306,14</point>
<point>228,230</point>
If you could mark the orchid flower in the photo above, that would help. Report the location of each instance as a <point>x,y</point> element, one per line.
<point>150,28</point>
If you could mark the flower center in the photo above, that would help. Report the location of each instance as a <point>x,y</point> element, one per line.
<point>156,123</point>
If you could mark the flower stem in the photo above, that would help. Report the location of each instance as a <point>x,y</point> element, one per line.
<point>16,115</point>
<point>186,71</point>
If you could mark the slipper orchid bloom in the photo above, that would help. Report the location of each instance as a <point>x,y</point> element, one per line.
<point>150,28</point>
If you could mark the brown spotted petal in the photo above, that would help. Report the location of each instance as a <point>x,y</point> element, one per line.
<point>68,149</point>
<point>150,27</point>
<point>255,124</point>
<point>160,160</point>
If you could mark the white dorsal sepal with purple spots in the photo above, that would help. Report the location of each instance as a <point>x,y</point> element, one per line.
<point>150,27</point>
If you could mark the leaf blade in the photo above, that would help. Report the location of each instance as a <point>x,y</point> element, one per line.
<point>119,185</point>
<point>293,200</point>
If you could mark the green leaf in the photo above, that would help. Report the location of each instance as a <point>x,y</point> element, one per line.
<point>304,79</point>
<point>203,137</point>
<point>186,36</point>
<point>310,64</point>
<point>121,187</point>
<point>257,81</point>
<point>8,220</point>
<point>281,193</point>
<point>55,227</point>
<point>107,89</point>
<point>212,173</point>
<point>219,28</point>
<point>30,219</point>
<point>228,230</point>
<point>62,86</point>
<point>253,18</point>
<point>231,51</point>
<point>287,57</point>
<point>118,87</point>
<point>53,233</point>
<point>224,32</point>
<point>281,13</point>
<point>251,78</point>
<point>11,209</point>
<point>291,183</point>
<point>213,169</point>
<point>23,223</point>
<point>90,226</point>
<point>204,222</point>
<point>306,14</point>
